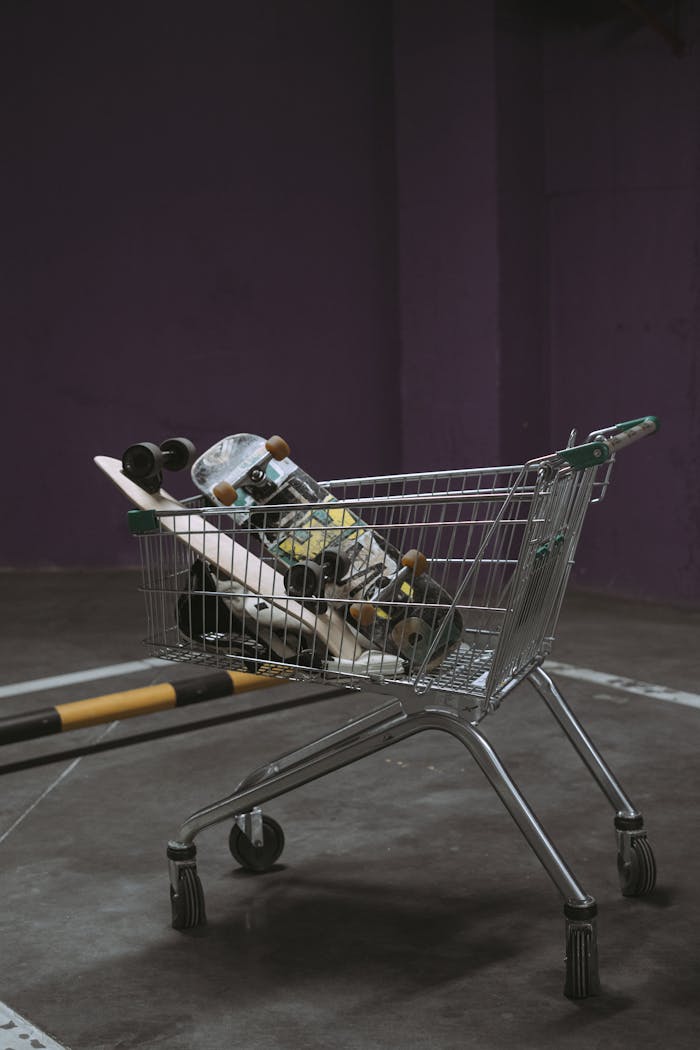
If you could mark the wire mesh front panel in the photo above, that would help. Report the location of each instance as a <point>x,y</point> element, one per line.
<point>449,581</point>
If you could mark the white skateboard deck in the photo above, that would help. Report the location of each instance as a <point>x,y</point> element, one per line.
<point>235,561</point>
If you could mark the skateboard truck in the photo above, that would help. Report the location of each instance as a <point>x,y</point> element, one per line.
<point>226,492</point>
<point>144,462</point>
<point>414,564</point>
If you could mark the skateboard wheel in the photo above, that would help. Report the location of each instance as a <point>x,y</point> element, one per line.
<point>410,635</point>
<point>334,566</point>
<point>178,453</point>
<point>143,460</point>
<point>225,493</point>
<point>277,447</point>
<point>364,614</point>
<point>304,580</point>
<point>416,561</point>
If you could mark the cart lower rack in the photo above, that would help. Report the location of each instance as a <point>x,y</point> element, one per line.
<point>461,579</point>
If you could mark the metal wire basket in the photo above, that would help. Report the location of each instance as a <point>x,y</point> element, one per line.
<point>498,545</point>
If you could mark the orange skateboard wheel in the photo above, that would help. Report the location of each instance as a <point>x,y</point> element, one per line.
<point>277,447</point>
<point>225,493</point>
<point>416,561</point>
<point>364,614</point>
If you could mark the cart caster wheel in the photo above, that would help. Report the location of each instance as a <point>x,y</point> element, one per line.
<point>257,858</point>
<point>277,447</point>
<point>581,968</point>
<point>187,902</point>
<point>225,493</point>
<point>638,873</point>
<point>581,951</point>
<point>178,453</point>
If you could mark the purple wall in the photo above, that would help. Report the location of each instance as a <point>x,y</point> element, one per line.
<point>448,233</point>
<point>200,239</point>
<point>472,234</point>
<point>407,235</point>
<point>548,182</point>
<point>524,389</point>
<point>622,115</point>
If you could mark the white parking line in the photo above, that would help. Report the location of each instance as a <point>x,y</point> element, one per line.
<point>17,1033</point>
<point>628,685</point>
<point>54,784</point>
<point>36,685</point>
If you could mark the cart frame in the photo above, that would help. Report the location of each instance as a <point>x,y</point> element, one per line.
<point>523,532</point>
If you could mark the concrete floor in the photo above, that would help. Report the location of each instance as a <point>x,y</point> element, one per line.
<point>406,910</point>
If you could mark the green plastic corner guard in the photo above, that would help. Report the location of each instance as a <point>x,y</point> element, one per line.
<point>141,522</point>
<point>591,454</point>
<point>545,548</point>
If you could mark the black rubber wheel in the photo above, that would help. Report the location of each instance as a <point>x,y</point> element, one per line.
<point>188,903</point>
<point>581,964</point>
<point>178,453</point>
<point>143,460</point>
<point>638,875</point>
<point>304,580</point>
<point>335,566</point>
<point>257,858</point>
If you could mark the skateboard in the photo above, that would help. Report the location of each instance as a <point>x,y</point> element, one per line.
<point>327,554</point>
<point>232,592</point>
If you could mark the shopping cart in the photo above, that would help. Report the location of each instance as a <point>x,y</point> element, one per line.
<point>500,542</point>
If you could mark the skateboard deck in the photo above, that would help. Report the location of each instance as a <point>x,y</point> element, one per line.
<point>317,541</point>
<point>244,576</point>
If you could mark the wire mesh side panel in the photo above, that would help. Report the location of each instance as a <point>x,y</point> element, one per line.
<point>195,610</point>
<point>537,588</point>
<point>448,581</point>
<point>453,518</point>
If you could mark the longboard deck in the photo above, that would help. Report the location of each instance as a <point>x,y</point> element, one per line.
<point>234,560</point>
<point>313,526</point>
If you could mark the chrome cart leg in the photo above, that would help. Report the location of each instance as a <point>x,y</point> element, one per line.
<point>580,909</point>
<point>635,859</point>
<point>374,733</point>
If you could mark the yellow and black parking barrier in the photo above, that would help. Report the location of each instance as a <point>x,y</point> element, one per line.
<point>79,714</point>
